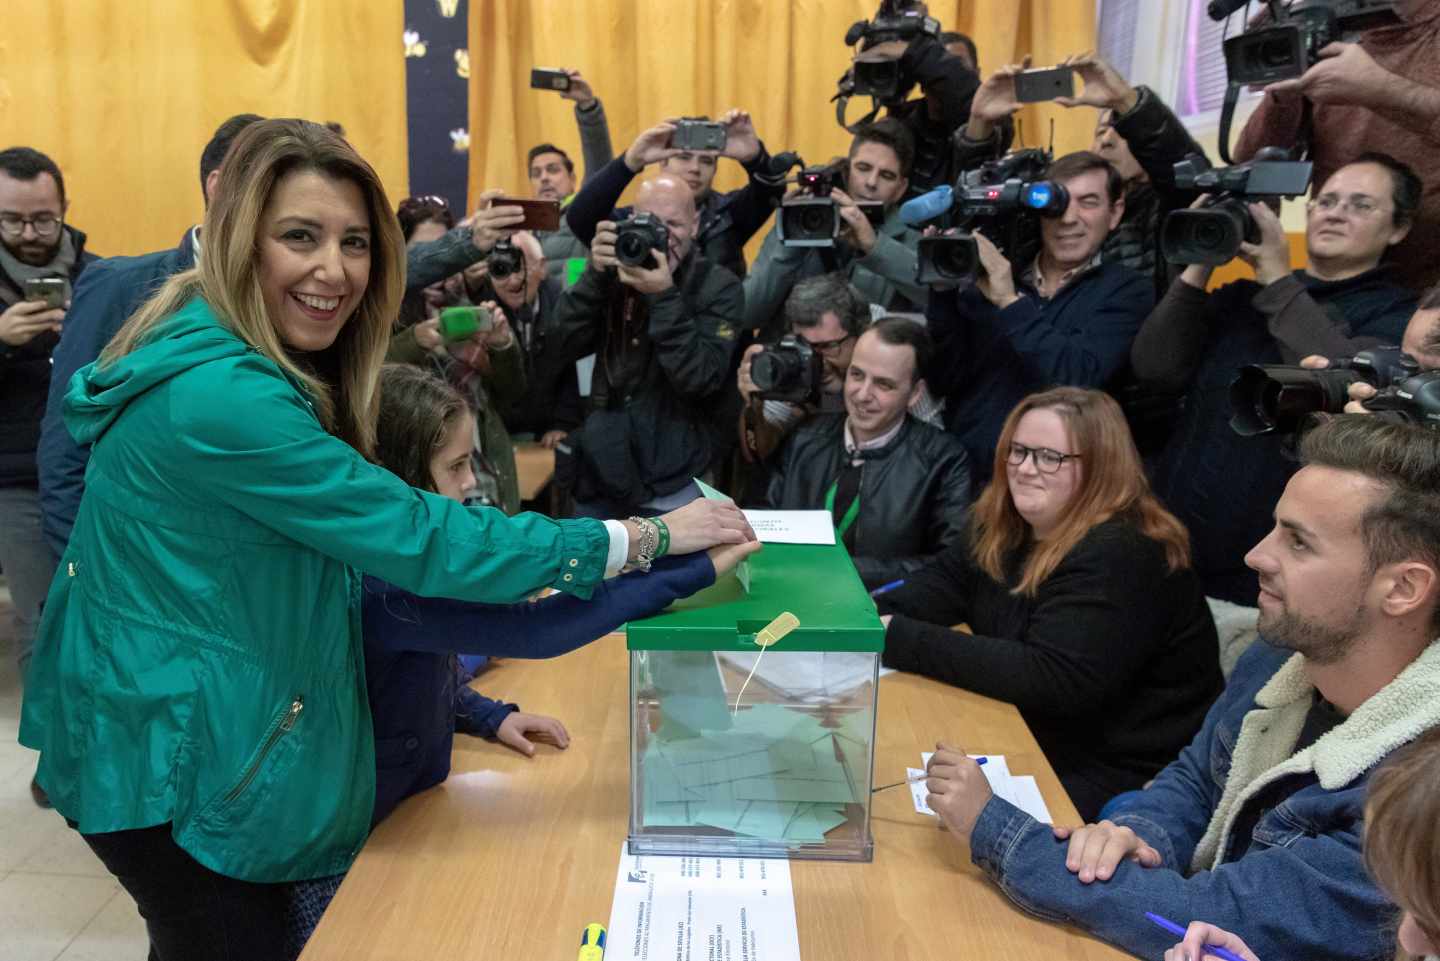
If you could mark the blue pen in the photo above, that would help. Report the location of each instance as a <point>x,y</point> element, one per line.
<point>884,588</point>
<point>1179,932</point>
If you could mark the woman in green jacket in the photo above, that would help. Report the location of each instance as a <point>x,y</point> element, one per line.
<point>198,693</point>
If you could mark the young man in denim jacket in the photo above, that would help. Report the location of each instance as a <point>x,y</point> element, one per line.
<point>1257,825</point>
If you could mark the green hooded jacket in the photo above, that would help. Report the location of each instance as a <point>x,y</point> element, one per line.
<point>199,661</point>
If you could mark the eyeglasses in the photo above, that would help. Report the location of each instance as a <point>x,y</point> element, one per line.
<point>1047,461</point>
<point>1358,204</point>
<point>46,226</point>
<point>830,346</point>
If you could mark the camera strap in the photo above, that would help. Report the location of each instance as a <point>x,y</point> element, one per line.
<point>842,104</point>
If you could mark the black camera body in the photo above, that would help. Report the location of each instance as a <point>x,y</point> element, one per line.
<point>995,198</point>
<point>1275,399</point>
<point>1212,234</point>
<point>503,260</point>
<point>789,370</point>
<point>1291,42</point>
<point>638,238</point>
<point>812,219</point>
<point>883,79</point>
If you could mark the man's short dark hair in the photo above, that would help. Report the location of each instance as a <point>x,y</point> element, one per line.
<point>890,133</point>
<point>1405,186</point>
<point>27,163</point>
<point>901,332</point>
<point>538,149</point>
<point>214,153</point>
<point>1082,162</point>
<point>952,36</point>
<point>814,297</point>
<point>1404,521</point>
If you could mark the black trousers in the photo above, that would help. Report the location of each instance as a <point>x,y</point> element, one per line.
<point>192,913</point>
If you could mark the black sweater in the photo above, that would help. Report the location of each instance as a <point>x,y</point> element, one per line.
<point>1113,663</point>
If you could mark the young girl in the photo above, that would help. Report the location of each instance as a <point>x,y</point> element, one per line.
<point>1402,853</point>
<point>424,436</point>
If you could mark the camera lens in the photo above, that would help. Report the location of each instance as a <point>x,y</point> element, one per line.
<point>1275,52</point>
<point>814,220</point>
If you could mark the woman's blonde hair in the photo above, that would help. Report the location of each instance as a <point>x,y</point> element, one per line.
<point>1112,485</point>
<point>1402,830</point>
<point>227,275</point>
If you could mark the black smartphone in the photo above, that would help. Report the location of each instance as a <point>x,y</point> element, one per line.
<point>539,214</point>
<point>698,135</point>
<point>873,210</point>
<point>1038,86</point>
<point>51,290</point>
<point>543,78</point>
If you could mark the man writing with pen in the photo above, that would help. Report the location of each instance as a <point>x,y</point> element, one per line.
<point>1256,827</point>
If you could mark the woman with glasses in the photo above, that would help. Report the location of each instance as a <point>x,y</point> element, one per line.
<point>1077,599</point>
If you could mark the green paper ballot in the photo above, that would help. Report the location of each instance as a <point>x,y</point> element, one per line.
<point>742,570</point>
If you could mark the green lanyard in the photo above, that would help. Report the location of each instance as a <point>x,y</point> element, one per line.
<point>850,514</point>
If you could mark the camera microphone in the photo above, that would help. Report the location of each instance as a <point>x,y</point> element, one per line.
<point>1220,9</point>
<point>927,207</point>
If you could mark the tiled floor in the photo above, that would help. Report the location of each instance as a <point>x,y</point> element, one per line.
<point>57,902</point>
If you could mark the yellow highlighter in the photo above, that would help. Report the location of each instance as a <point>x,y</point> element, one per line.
<point>592,943</point>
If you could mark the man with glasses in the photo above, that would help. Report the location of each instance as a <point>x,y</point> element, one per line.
<point>36,246</point>
<point>1344,300</point>
<point>897,489</point>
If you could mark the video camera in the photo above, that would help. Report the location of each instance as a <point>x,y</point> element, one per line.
<point>883,79</point>
<point>1272,398</point>
<point>503,260</point>
<point>993,198</point>
<point>789,370</point>
<point>1288,43</point>
<point>813,219</point>
<point>1212,234</point>
<point>637,237</point>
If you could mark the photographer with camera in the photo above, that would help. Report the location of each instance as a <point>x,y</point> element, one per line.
<point>878,260</point>
<point>1383,89</point>
<point>900,48</point>
<point>552,172</point>
<point>804,372</point>
<point>1062,318</point>
<point>1219,483</point>
<point>662,321</point>
<point>897,489</point>
<point>727,221</point>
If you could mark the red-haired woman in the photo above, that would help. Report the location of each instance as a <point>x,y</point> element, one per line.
<point>1077,588</point>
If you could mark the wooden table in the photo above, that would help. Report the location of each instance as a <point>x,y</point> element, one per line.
<point>511,858</point>
<point>534,466</point>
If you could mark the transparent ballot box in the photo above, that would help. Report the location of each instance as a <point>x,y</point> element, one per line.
<point>779,766</point>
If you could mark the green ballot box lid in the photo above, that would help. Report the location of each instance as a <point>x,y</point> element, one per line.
<point>816,583</point>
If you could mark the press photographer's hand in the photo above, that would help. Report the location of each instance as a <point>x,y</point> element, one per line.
<point>997,280</point>
<point>1271,256</point>
<point>741,142</point>
<point>651,147</point>
<point>491,224</point>
<point>579,90</point>
<point>855,226</point>
<point>1104,87</point>
<point>994,101</point>
<point>602,246</point>
<point>649,280</point>
<point>747,387</point>
<point>1345,74</point>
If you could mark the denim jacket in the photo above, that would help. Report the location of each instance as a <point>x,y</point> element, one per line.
<point>1299,888</point>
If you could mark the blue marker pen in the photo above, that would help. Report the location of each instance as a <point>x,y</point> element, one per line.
<point>1179,932</point>
<point>886,588</point>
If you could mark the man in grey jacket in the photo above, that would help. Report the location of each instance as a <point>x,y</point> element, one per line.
<point>552,172</point>
<point>879,261</point>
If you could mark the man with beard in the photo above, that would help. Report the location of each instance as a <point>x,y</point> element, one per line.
<point>1269,797</point>
<point>35,244</point>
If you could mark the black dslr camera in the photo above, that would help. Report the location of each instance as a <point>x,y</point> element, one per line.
<point>503,260</point>
<point>993,198</point>
<point>883,80</point>
<point>1290,42</point>
<point>790,370</point>
<point>1212,234</point>
<point>636,239</point>
<point>1270,399</point>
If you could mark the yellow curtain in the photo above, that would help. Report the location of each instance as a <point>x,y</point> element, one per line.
<point>779,59</point>
<point>124,94</point>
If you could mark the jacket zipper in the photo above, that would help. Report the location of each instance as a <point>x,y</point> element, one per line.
<point>287,721</point>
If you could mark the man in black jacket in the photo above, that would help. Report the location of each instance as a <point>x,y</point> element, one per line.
<point>1223,485</point>
<point>664,338</point>
<point>35,244</point>
<point>1063,318</point>
<point>726,221</point>
<point>897,488</point>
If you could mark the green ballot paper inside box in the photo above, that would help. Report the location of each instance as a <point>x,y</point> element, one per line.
<point>752,714</point>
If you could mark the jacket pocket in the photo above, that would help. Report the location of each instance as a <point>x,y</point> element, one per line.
<point>283,724</point>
